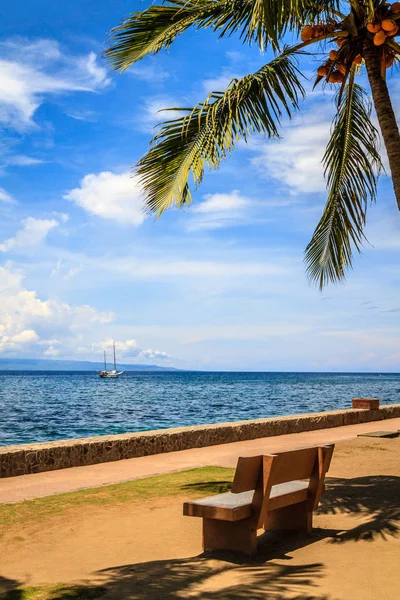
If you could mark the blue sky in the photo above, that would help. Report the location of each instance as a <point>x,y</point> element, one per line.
<point>220,285</point>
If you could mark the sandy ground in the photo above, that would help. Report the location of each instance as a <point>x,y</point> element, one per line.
<point>151,551</point>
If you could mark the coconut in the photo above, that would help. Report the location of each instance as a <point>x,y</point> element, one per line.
<point>395,7</point>
<point>306,33</point>
<point>374,27</point>
<point>317,31</point>
<point>323,71</point>
<point>380,38</point>
<point>342,68</point>
<point>388,24</point>
<point>333,54</point>
<point>340,41</point>
<point>336,77</point>
<point>393,31</point>
<point>357,60</point>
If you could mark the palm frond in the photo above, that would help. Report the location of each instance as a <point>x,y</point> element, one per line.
<point>352,164</point>
<point>256,21</point>
<point>211,130</point>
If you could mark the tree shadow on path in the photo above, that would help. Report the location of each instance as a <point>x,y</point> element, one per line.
<point>230,577</point>
<point>376,497</point>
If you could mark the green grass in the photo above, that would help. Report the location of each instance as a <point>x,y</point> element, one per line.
<point>193,483</point>
<point>57,592</point>
<point>14,517</point>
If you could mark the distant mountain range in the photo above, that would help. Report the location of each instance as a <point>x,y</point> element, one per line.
<point>37,364</point>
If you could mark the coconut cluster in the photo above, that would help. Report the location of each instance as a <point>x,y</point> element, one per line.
<point>315,31</point>
<point>385,27</point>
<point>336,67</point>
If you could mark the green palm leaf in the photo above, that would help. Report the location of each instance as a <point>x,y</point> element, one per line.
<point>210,131</point>
<point>256,21</point>
<point>352,163</point>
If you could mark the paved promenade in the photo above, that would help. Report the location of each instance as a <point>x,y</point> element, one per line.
<point>26,487</point>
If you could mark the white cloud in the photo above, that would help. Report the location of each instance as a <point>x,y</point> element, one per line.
<point>97,73</point>
<point>124,349</point>
<point>5,197</point>
<point>27,336</point>
<point>219,210</point>
<point>27,323</point>
<point>154,354</point>
<point>112,196</point>
<point>51,352</point>
<point>127,347</point>
<point>31,72</point>
<point>33,232</point>
<point>296,159</point>
<point>217,203</point>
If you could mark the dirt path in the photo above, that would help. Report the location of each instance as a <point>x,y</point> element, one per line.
<point>148,551</point>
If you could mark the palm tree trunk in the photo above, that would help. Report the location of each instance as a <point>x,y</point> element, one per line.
<point>384,111</point>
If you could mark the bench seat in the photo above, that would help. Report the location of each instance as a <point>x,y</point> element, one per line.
<point>235,507</point>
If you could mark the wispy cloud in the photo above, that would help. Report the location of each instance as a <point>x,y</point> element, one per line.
<point>173,267</point>
<point>156,111</point>
<point>66,269</point>
<point>125,349</point>
<point>32,233</point>
<point>6,197</point>
<point>220,82</point>
<point>295,161</point>
<point>151,72</point>
<point>21,160</point>
<point>32,72</point>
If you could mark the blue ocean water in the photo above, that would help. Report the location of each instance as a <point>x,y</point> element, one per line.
<point>44,405</point>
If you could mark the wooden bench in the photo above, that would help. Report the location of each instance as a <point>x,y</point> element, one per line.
<point>272,492</point>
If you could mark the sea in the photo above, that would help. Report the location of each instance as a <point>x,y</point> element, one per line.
<point>37,406</point>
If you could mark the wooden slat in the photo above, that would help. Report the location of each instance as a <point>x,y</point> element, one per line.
<point>268,467</point>
<point>317,479</point>
<point>247,474</point>
<point>286,494</point>
<point>294,464</point>
<point>224,507</point>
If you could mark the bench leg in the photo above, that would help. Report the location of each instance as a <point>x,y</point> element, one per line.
<point>227,535</point>
<point>296,517</point>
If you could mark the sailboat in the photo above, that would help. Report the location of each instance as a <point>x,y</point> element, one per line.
<point>110,374</point>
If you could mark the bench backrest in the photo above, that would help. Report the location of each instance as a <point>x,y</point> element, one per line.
<point>294,464</point>
<point>260,473</point>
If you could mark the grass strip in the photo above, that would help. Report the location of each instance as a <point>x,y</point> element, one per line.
<point>193,483</point>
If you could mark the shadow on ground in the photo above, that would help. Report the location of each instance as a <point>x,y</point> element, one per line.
<point>207,487</point>
<point>197,578</point>
<point>230,577</point>
<point>376,497</point>
<point>7,584</point>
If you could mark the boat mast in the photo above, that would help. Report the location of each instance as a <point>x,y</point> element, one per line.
<point>105,363</point>
<point>115,363</point>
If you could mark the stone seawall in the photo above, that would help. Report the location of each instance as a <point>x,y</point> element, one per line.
<point>49,456</point>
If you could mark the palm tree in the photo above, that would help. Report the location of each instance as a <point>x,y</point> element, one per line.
<point>352,33</point>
